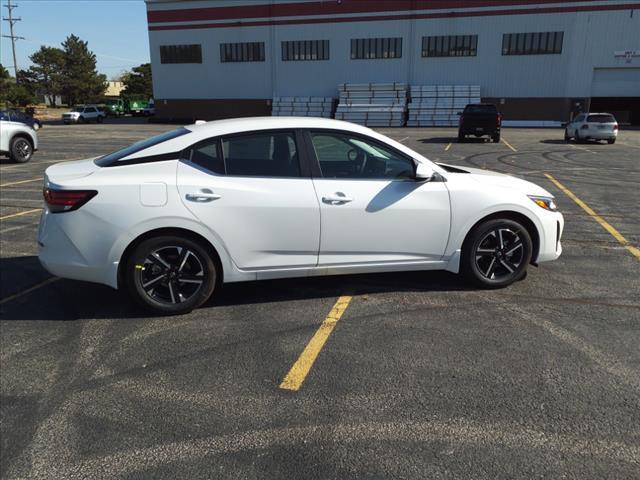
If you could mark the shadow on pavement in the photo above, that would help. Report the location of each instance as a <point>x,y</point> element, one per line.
<point>68,300</point>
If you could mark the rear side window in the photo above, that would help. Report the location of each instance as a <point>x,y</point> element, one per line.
<point>113,158</point>
<point>208,155</point>
<point>601,119</point>
<point>481,109</point>
<point>268,154</point>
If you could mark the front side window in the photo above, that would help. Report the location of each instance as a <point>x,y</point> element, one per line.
<point>342,155</point>
<point>268,154</point>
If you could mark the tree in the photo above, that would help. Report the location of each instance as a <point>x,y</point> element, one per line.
<point>11,93</point>
<point>80,81</point>
<point>46,72</point>
<point>137,83</point>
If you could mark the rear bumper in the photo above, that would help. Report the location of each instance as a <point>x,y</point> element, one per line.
<point>598,135</point>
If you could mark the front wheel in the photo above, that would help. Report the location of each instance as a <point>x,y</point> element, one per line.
<point>21,150</point>
<point>611,141</point>
<point>170,274</point>
<point>496,253</point>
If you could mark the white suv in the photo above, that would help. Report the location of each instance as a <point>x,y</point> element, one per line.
<point>82,114</point>
<point>18,141</point>
<point>592,126</point>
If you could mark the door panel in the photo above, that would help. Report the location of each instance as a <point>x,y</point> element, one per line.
<point>384,221</point>
<point>264,222</point>
<point>373,210</point>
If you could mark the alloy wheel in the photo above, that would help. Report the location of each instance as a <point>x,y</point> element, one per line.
<point>22,149</point>
<point>171,274</point>
<point>499,254</point>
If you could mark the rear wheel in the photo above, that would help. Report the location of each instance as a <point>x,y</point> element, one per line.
<point>496,138</point>
<point>611,141</point>
<point>170,274</point>
<point>496,253</point>
<point>21,150</point>
<point>566,135</point>
<point>461,137</point>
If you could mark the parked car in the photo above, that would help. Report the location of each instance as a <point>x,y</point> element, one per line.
<point>17,116</point>
<point>592,126</point>
<point>82,114</point>
<point>150,109</point>
<point>172,217</point>
<point>18,140</point>
<point>480,119</point>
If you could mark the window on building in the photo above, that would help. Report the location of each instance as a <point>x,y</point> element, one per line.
<point>242,52</point>
<point>269,154</point>
<point>369,48</point>
<point>536,43</point>
<point>347,156</point>
<point>180,54</point>
<point>450,46</point>
<point>297,50</point>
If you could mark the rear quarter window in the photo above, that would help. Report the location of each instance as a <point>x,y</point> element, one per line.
<point>112,158</point>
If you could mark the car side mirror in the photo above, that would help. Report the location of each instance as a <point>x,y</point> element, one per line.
<point>424,172</point>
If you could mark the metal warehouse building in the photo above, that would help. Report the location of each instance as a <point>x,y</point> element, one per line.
<point>540,60</point>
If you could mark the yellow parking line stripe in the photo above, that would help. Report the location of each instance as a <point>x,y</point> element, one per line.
<point>447,147</point>
<point>300,369</point>
<point>28,290</point>
<point>508,144</point>
<point>603,223</point>
<point>26,212</point>
<point>21,182</point>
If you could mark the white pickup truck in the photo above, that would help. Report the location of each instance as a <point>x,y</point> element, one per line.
<point>82,114</point>
<point>17,140</point>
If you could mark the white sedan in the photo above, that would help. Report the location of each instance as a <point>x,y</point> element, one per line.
<point>172,217</point>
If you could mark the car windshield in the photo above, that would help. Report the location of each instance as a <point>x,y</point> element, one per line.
<point>77,109</point>
<point>601,119</point>
<point>113,157</point>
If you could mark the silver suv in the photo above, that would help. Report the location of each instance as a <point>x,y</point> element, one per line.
<point>592,126</point>
<point>18,141</point>
<point>82,114</point>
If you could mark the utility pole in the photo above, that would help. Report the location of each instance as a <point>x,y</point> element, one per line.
<point>13,37</point>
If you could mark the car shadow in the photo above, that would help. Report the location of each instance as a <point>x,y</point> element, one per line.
<point>562,142</point>
<point>69,300</point>
<point>443,140</point>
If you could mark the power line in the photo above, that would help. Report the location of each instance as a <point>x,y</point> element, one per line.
<point>12,21</point>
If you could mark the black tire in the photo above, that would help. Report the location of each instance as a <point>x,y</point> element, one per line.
<point>578,138</point>
<point>167,294</point>
<point>496,138</point>
<point>486,263</point>
<point>81,120</point>
<point>100,119</point>
<point>611,141</point>
<point>566,135</point>
<point>20,149</point>
<point>461,137</point>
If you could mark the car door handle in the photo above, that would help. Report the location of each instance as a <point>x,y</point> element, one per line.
<point>337,198</point>
<point>202,197</point>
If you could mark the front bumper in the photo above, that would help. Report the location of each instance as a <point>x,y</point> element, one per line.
<point>550,247</point>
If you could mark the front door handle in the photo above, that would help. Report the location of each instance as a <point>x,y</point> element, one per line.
<point>203,196</point>
<point>337,198</point>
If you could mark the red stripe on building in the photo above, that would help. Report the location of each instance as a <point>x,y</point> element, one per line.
<point>330,7</point>
<point>378,18</point>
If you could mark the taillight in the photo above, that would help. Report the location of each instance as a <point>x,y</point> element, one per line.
<point>66,200</point>
<point>498,119</point>
<point>615,126</point>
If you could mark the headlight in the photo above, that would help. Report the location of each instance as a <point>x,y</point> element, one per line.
<point>548,203</point>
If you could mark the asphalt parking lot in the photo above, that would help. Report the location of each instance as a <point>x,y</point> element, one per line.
<point>421,377</point>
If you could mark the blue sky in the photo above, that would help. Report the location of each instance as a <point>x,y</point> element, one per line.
<point>115,29</point>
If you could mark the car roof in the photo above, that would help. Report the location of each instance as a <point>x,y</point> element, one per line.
<point>246,124</point>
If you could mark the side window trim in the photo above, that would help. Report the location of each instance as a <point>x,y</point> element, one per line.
<point>317,171</point>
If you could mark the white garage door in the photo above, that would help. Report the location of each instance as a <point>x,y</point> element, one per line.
<point>616,82</point>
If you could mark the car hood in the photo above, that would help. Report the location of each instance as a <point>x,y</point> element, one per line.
<point>64,171</point>
<point>495,179</point>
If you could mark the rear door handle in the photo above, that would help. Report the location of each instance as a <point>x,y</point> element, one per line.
<point>202,197</point>
<point>337,198</point>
